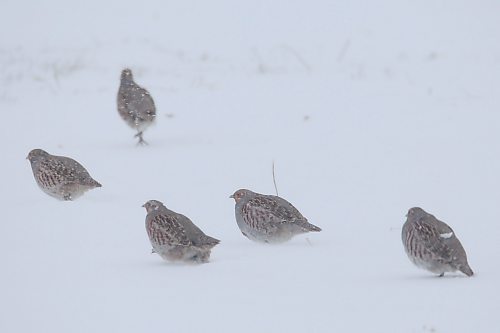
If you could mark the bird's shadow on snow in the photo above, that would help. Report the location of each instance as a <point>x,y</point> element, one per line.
<point>433,277</point>
<point>160,263</point>
<point>153,144</point>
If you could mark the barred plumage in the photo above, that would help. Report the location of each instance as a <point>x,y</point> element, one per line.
<point>268,218</point>
<point>59,176</point>
<point>431,244</point>
<point>135,105</point>
<point>175,237</point>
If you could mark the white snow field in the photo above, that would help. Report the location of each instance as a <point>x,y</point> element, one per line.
<point>367,108</point>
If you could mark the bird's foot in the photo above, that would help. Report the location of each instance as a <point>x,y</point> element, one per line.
<point>201,258</point>
<point>441,275</point>
<point>67,197</point>
<point>141,142</point>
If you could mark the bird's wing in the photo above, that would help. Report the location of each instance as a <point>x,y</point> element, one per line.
<point>77,171</point>
<point>59,170</point>
<point>195,234</point>
<point>266,213</point>
<point>166,230</point>
<point>137,101</point>
<point>286,210</point>
<point>146,104</point>
<point>440,240</point>
<point>46,173</point>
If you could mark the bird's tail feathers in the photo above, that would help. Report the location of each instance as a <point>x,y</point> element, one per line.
<point>209,241</point>
<point>308,226</point>
<point>93,183</point>
<point>466,270</point>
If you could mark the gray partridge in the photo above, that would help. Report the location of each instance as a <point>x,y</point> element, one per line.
<point>174,237</point>
<point>59,176</point>
<point>135,105</point>
<point>432,245</point>
<point>268,218</point>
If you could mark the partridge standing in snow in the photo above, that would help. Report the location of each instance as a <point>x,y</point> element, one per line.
<point>268,218</point>
<point>135,105</point>
<point>60,177</point>
<point>432,245</point>
<point>174,237</point>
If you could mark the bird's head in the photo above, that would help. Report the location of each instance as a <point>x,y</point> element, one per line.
<point>152,205</point>
<point>36,154</point>
<point>415,213</point>
<point>127,74</point>
<point>240,194</point>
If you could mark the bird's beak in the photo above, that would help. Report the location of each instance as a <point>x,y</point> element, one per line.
<point>232,196</point>
<point>144,206</point>
<point>406,215</point>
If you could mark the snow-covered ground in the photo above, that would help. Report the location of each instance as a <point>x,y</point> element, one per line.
<point>367,108</point>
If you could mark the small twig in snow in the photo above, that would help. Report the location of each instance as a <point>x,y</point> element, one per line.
<point>274,181</point>
<point>299,58</point>
<point>343,50</point>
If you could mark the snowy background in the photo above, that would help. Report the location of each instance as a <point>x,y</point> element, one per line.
<point>367,108</point>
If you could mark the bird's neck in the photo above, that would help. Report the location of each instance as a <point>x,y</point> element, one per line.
<point>127,80</point>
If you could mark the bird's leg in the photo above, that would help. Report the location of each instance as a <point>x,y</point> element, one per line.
<point>201,258</point>
<point>141,140</point>
<point>67,197</point>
